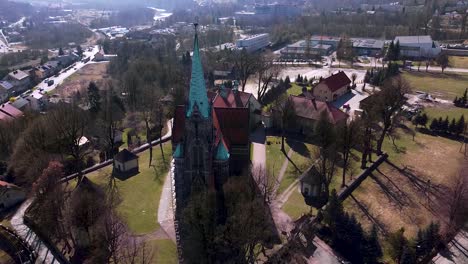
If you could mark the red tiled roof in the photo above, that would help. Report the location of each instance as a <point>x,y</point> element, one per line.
<point>10,110</point>
<point>233,99</point>
<point>231,124</point>
<point>312,109</point>
<point>234,124</point>
<point>336,81</point>
<point>5,117</point>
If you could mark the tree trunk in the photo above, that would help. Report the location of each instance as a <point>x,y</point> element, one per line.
<point>345,166</point>
<point>160,143</point>
<point>148,139</point>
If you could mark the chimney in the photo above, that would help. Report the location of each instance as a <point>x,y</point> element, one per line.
<point>314,103</point>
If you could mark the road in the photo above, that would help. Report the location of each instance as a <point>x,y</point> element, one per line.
<point>44,255</point>
<point>44,87</point>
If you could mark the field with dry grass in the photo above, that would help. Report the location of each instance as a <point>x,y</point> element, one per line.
<point>409,190</point>
<point>79,81</point>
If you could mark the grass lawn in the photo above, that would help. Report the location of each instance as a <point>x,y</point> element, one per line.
<point>295,206</point>
<point>446,86</point>
<point>165,251</point>
<point>451,112</point>
<point>140,194</point>
<point>458,62</point>
<point>303,156</point>
<point>396,195</point>
<point>295,89</point>
<point>274,156</point>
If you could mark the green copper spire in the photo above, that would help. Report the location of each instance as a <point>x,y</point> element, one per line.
<point>222,153</point>
<point>197,94</point>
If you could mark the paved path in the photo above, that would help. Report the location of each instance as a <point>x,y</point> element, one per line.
<point>44,255</point>
<point>166,209</point>
<point>283,221</point>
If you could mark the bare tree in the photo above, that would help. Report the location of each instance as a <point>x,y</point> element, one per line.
<point>246,65</point>
<point>388,104</point>
<point>347,141</point>
<point>267,183</point>
<point>267,72</point>
<point>69,124</point>
<point>285,116</point>
<point>458,202</point>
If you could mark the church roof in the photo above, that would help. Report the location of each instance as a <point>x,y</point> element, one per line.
<point>197,95</point>
<point>124,156</point>
<point>232,99</point>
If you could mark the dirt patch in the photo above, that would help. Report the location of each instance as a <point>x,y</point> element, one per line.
<point>409,192</point>
<point>79,81</point>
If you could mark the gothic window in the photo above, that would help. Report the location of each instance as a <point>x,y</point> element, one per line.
<point>197,153</point>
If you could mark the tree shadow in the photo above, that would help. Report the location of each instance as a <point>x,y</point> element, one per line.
<point>371,218</point>
<point>400,198</point>
<point>299,147</point>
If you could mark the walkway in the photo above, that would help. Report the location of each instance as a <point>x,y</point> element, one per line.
<point>166,209</point>
<point>44,255</point>
<point>283,221</point>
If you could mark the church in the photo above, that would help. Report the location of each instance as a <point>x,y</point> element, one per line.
<point>210,140</point>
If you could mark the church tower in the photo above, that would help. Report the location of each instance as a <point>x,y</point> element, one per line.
<point>202,158</point>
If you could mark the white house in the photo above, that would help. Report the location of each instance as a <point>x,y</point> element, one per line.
<point>10,195</point>
<point>125,162</point>
<point>418,46</point>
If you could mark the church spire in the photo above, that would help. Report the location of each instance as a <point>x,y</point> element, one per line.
<point>197,95</point>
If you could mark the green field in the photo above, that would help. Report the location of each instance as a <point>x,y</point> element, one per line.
<point>165,251</point>
<point>140,194</point>
<point>452,112</point>
<point>295,89</point>
<point>458,62</point>
<point>295,206</point>
<point>446,86</point>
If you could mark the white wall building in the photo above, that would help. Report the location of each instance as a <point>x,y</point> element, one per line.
<point>254,43</point>
<point>418,46</point>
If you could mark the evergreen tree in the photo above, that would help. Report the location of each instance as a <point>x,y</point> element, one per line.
<point>424,120</point>
<point>460,125</point>
<point>445,125</point>
<point>453,126</point>
<point>456,101</point>
<point>333,211</point>
<point>420,243</point>
<point>94,98</point>
<point>372,250</point>
<point>397,50</point>
<point>464,99</point>
<point>287,81</point>
<point>434,125</point>
<point>408,256</point>
<point>391,51</point>
<point>440,126</point>
<point>397,243</point>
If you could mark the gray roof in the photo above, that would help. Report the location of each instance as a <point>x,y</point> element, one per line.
<point>18,75</point>
<point>368,43</point>
<point>6,85</point>
<point>20,103</point>
<point>413,39</point>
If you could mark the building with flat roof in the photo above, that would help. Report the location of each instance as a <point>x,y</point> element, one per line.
<point>418,46</point>
<point>298,50</point>
<point>254,43</point>
<point>368,47</point>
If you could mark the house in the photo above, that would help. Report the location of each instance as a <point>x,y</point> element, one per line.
<point>20,103</point>
<point>418,46</point>
<point>10,111</point>
<point>20,81</point>
<point>313,188</point>
<point>68,59</point>
<point>102,56</point>
<point>46,70</point>
<point>300,50</point>
<point>10,195</point>
<point>6,91</point>
<point>368,47</point>
<point>233,98</point>
<point>307,112</point>
<point>125,162</point>
<point>331,88</point>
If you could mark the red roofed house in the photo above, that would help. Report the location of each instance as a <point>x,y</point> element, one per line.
<point>233,98</point>
<point>331,88</point>
<point>11,111</point>
<point>308,112</point>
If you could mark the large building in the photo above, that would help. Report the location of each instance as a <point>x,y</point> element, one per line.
<point>331,88</point>
<point>418,46</point>
<point>368,47</point>
<point>254,43</point>
<point>210,143</point>
<point>300,50</point>
<point>20,81</point>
